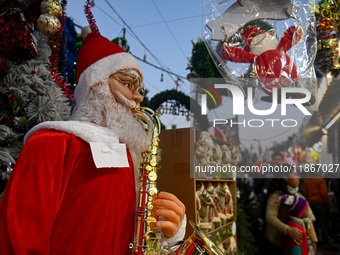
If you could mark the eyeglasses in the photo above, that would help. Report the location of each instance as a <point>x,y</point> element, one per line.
<point>132,86</point>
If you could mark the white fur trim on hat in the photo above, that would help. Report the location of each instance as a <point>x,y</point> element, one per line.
<point>102,69</point>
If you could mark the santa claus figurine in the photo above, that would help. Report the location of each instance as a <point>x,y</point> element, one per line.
<point>273,67</point>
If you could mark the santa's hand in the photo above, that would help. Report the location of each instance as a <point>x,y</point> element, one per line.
<point>172,210</point>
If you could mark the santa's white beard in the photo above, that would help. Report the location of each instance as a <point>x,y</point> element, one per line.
<point>100,107</point>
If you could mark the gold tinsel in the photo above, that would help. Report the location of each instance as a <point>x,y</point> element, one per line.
<point>328,43</point>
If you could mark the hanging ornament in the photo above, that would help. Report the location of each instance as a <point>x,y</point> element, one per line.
<point>325,24</point>
<point>48,24</point>
<point>51,7</point>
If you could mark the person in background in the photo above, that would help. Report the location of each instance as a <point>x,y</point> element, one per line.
<point>261,184</point>
<point>277,158</point>
<point>317,194</point>
<point>298,209</point>
<point>277,216</point>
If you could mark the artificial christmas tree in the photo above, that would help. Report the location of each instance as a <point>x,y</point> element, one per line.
<point>28,96</point>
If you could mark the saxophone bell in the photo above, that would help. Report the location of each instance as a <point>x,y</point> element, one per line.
<point>197,244</point>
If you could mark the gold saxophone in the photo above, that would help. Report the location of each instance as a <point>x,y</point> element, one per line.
<point>147,237</point>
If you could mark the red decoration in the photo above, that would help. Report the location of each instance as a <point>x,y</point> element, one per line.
<point>19,47</point>
<point>54,58</point>
<point>2,64</point>
<point>90,18</point>
<point>325,36</point>
<point>274,68</point>
<point>32,13</point>
<point>325,24</point>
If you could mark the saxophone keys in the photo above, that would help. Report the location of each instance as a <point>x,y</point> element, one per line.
<point>152,176</point>
<point>151,220</point>
<point>153,191</point>
<point>153,162</point>
<point>154,151</point>
<point>150,206</point>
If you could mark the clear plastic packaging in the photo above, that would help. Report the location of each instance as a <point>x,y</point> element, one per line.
<point>263,44</point>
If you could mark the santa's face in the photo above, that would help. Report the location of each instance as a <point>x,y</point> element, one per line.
<point>126,87</point>
<point>263,42</point>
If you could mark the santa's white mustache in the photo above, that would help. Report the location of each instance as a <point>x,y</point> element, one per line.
<point>129,103</point>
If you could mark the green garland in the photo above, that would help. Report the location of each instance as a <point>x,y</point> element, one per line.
<point>157,100</point>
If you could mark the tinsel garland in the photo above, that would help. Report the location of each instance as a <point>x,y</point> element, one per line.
<point>79,42</point>
<point>90,17</point>
<point>32,13</point>
<point>324,60</point>
<point>54,59</point>
<point>62,57</point>
<point>16,40</point>
<point>71,51</point>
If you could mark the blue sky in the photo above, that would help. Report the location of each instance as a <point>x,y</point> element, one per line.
<point>169,41</point>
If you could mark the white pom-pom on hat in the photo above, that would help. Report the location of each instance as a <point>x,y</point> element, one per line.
<point>85,31</point>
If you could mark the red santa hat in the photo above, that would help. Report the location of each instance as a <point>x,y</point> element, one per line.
<point>217,132</point>
<point>97,59</point>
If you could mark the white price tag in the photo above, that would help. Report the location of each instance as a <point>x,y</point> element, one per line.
<point>109,154</point>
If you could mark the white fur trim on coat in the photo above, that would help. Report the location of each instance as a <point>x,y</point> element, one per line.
<point>102,69</point>
<point>87,131</point>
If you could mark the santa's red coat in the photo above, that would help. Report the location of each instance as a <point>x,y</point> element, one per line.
<point>58,202</point>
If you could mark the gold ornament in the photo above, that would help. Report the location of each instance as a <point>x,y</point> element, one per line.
<point>336,66</point>
<point>336,60</point>
<point>51,7</point>
<point>48,24</point>
<point>330,43</point>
